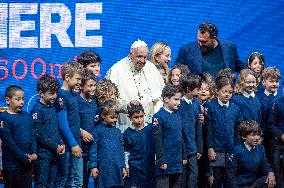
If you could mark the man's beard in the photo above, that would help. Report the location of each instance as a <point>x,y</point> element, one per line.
<point>207,49</point>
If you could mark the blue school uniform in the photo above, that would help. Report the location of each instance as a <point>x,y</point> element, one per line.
<point>249,105</point>
<point>245,164</point>
<point>45,122</point>
<point>70,168</point>
<point>168,141</point>
<point>192,129</point>
<point>222,122</point>
<point>18,139</point>
<point>107,155</point>
<point>87,112</point>
<point>276,130</point>
<point>68,101</point>
<point>266,99</point>
<point>141,155</point>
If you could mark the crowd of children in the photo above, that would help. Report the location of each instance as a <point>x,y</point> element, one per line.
<point>210,132</point>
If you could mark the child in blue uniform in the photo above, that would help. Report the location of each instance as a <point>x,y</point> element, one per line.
<point>221,121</point>
<point>247,165</point>
<point>18,141</point>
<point>91,61</point>
<point>49,143</point>
<point>70,170</point>
<point>256,64</point>
<point>137,141</point>
<point>270,80</point>
<point>190,110</point>
<point>107,162</point>
<point>245,96</point>
<point>87,111</point>
<point>276,131</point>
<point>205,95</point>
<point>168,139</point>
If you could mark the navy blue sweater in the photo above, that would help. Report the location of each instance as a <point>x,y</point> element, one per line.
<point>18,139</point>
<point>192,129</point>
<point>266,106</point>
<point>250,107</point>
<point>276,119</point>
<point>45,122</point>
<point>69,119</point>
<point>168,141</point>
<point>222,124</point>
<point>243,165</point>
<point>87,112</point>
<point>107,155</point>
<point>141,159</point>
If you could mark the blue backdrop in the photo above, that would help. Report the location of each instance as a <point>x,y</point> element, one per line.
<point>37,36</point>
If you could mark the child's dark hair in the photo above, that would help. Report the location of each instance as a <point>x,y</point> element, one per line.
<point>227,72</point>
<point>110,106</point>
<point>225,77</point>
<point>190,82</point>
<point>270,72</point>
<point>170,90</point>
<point>47,83</point>
<point>11,90</point>
<point>134,108</point>
<point>88,75</point>
<point>254,55</point>
<point>207,79</point>
<point>88,57</point>
<point>248,127</point>
<point>183,71</point>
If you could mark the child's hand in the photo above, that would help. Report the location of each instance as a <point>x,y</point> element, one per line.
<point>87,137</point>
<point>201,118</point>
<point>270,181</point>
<point>62,149</point>
<point>125,172</point>
<point>198,156</point>
<point>184,162</point>
<point>32,157</point>
<point>95,172</point>
<point>164,166</point>
<point>76,151</point>
<point>211,154</point>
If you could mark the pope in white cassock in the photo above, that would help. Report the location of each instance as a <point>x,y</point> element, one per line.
<point>137,79</point>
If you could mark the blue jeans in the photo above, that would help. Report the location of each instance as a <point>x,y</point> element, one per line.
<point>70,171</point>
<point>45,170</point>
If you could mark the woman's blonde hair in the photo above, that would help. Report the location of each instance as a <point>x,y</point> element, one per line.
<point>157,49</point>
<point>241,79</point>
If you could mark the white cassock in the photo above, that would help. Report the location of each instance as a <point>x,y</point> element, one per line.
<point>145,86</point>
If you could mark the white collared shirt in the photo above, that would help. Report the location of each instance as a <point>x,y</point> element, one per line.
<point>223,104</point>
<point>248,147</point>
<point>168,110</point>
<point>252,94</point>
<point>138,129</point>
<point>267,93</point>
<point>188,101</point>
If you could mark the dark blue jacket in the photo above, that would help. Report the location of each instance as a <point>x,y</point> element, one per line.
<point>69,118</point>
<point>244,166</point>
<point>266,106</point>
<point>168,141</point>
<point>191,56</point>
<point>192,129</point>
<point>107,155</point>
<point>250,107</point>
<point>18,139</point>
<point>141,159</point>
<point>45,122</point>
<point>87,112</point>
<point>222,124</point>
<point>276,119</point>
